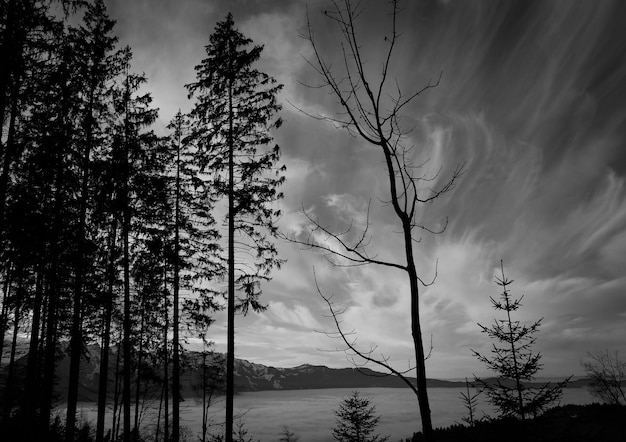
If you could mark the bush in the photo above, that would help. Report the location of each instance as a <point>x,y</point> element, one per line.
<point>607,373</point>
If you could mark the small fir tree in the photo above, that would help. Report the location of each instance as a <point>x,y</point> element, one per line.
<point>356,420</point>
<point>286,435</point>
<point>515,362</point>
<point>470,400</point>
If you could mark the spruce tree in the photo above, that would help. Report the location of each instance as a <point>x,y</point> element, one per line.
<point>356,420</point>
<point>133,152</point>
<point>514,361</point>
<point>95,67</point>
<point>232,122</point>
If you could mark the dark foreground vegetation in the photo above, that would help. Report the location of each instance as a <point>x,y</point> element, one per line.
<point>594,422</point>
<point>577,423</point>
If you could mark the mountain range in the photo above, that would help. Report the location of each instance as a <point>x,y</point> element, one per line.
<point>248,376</point>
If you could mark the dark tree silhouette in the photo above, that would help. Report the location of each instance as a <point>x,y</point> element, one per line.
<point>95,67</point>
<point>356,420</point>
<point>196,251</point>
<point>607,373</point>
<point>470,400</point>
<point>133,147</point>
<point>232,122</point>
<point>81,185</point>
<point>513,359</point>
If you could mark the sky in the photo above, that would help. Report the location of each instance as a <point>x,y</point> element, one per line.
<point>532,99</point>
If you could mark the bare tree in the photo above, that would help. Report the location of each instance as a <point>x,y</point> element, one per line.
<point>607,374</point>
<point>371,109</point>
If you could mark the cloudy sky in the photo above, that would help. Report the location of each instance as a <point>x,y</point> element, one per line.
<point>532,98</point>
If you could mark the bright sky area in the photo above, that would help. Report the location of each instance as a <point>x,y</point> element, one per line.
<point>532,98</point>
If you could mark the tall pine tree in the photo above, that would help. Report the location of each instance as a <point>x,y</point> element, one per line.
<point>133,150</point>
<point>95,67</point>
<point>232,122</point>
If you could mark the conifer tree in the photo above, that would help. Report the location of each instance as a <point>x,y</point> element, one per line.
<point>195,250</point>
<point>514,361</point>
<point>356,420</point>
<point>232,122</point>
<point>55,127</point>
<point>133,150</point>
<point>95,67</point>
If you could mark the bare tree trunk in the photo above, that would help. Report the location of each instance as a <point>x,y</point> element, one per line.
<point>126,270</point>
<point>12,65</point>
<point>9,149</point>
<point>5,308</point>
<point>204,392</point>
<point>166,375</point>
<point>53,295</point>
<point>416,332</point>
<point>76,340</point>
<point>158,427</point>
<point>116,392</point>
<point>32,367</point>
<point>230,352</point>
<point>175,343</point>
<point>138,379</point>
<point>106,338</point>
<point>8,389</point>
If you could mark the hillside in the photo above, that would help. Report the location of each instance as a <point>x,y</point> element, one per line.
<point>248,376</point>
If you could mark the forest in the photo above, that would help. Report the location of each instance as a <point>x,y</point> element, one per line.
<point>106,225</point>
<point>125,242</point>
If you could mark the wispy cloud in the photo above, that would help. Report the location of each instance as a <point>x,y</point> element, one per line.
<point>531,100</point>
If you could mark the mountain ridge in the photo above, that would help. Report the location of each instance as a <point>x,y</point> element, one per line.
<point>249,376</point>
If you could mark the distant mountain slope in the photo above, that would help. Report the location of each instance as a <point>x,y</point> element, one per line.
<point>248,376</point>
<point>255,377</point>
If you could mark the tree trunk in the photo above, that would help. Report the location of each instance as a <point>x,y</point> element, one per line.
<point>126,266</point>
<point>204,389</point>
<point>5,308</point>
<point>53,295</point>
<point>230,352</point>
<point>32,366</point>
<point>416,330</point>
<point>420,356</point>
<point>166,375</point>
<point>8,389</point>
<point>158,427</point>
<point>6,47</point>
<point>116,391</point>
<point>138,380</point>
<point>10,47</point>
<point>9,155</point>
<point>175,343</point>
<point>76,341</point>
<point>106,339</point>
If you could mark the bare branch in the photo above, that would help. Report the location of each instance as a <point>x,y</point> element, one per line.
<point>351,344</point>
<point>355,253</point>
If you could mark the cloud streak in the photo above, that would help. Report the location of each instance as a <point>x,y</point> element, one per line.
<point>531,99</point>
